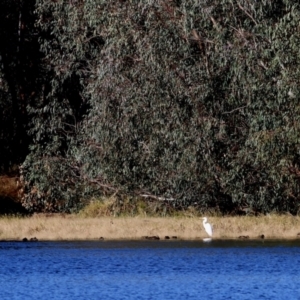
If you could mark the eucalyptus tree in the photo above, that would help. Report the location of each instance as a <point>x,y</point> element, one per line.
<point>190,102</point>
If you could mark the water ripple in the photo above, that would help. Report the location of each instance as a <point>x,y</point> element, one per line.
<point>150,270</point>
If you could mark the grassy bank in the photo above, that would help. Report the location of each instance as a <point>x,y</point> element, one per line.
<point>135,219</point>
<point>74,227</point>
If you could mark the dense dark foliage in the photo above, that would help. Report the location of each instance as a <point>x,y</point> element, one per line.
<point>19,72</point>
<point>190,102</point>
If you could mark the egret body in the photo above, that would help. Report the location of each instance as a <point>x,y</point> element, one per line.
<point>207,227</point>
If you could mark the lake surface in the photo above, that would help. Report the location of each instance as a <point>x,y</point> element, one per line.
<point>150,270</point>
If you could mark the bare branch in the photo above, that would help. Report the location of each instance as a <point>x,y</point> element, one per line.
<point>238,108</point>
<point>156,197</point>
<point>244,10</point>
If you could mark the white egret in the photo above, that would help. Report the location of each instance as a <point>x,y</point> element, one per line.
<point>207,227</point>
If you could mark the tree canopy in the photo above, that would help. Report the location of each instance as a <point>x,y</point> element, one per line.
<point>190,102</point>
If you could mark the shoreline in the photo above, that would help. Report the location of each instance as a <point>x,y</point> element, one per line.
<point>76,228</point>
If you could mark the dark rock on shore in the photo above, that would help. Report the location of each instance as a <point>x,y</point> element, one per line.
<point>34,239</point>
<point>154,237</point>
<point>244,237</point>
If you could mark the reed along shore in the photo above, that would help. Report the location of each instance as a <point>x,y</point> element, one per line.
<point>74,227</point>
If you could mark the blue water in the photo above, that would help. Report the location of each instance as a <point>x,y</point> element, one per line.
<point>150,270</point>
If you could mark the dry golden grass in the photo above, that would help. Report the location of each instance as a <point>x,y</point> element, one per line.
<point>135,219</point>
<point>74,227</point>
